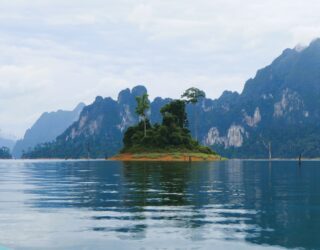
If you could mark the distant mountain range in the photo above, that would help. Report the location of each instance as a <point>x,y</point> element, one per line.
<point>46,129</point>
<point>279,109</point>
<point>100,127</point>
<point>4,142</point>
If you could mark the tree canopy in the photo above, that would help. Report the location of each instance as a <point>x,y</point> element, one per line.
<point>174,114</point>
<point>192,95</point>
<point>143,104</point>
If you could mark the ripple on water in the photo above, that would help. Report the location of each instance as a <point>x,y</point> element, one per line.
<point>94,205</point>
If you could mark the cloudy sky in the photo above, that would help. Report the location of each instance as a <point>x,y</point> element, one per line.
<point>56,53</point>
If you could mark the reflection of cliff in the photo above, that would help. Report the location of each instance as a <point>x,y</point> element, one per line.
<point>273,203</point>
<point>264,203</point>
<point>287,202</point>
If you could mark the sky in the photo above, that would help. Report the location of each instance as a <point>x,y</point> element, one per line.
<point>57,53</point>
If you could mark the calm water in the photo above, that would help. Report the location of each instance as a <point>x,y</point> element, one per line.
<point>112,205</point>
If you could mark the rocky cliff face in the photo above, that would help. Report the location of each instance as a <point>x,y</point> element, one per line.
<point>279,106</point>
<point>98,132</point>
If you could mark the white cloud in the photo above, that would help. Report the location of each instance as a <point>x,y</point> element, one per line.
<point>56,53</point>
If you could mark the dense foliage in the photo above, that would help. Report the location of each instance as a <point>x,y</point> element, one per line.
<point>171,135</point>
<point>5,153</point>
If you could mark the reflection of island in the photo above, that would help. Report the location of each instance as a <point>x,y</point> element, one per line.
<point>154,193</point>
<point>155,184</point>
<point>274,204</point>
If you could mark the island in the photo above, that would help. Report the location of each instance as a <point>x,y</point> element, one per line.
<point>5,153</point>
<point>169,141</point>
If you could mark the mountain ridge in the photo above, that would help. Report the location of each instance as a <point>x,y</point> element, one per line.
<point>47,127</point>
<point>280,106</point>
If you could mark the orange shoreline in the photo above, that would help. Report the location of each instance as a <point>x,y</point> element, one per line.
<point>184,157</point>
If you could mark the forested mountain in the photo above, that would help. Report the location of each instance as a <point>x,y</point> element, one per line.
<point>279,107</point>
<point>46,129</point>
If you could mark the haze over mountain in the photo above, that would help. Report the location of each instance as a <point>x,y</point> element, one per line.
<point>280,106</point>
<point>4,142</point>
<point>100,127</point>
<point>46,129</point>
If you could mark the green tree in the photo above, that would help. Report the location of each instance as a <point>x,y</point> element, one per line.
<point>192,95</point>
<point>143,105</point>
<point>174,114</point>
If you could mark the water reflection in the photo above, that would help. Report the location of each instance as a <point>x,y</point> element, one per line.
<point>264,203</point>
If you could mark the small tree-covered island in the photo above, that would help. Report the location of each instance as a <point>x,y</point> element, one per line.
<point>5,153</point>
<point>169,141</point>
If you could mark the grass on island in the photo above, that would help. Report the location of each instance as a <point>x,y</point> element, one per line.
<point>166,156</point>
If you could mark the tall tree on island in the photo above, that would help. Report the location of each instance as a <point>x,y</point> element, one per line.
<point>192,95</point>
<point>143,105</point>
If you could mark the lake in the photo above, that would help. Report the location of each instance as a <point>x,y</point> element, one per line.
<point>112,205</point>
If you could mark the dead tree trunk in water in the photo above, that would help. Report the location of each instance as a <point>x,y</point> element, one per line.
<point>269,148</point>
<point>270,155</point>
<point>300,156</point>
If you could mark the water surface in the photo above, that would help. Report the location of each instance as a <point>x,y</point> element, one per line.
<point>113,205</point>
